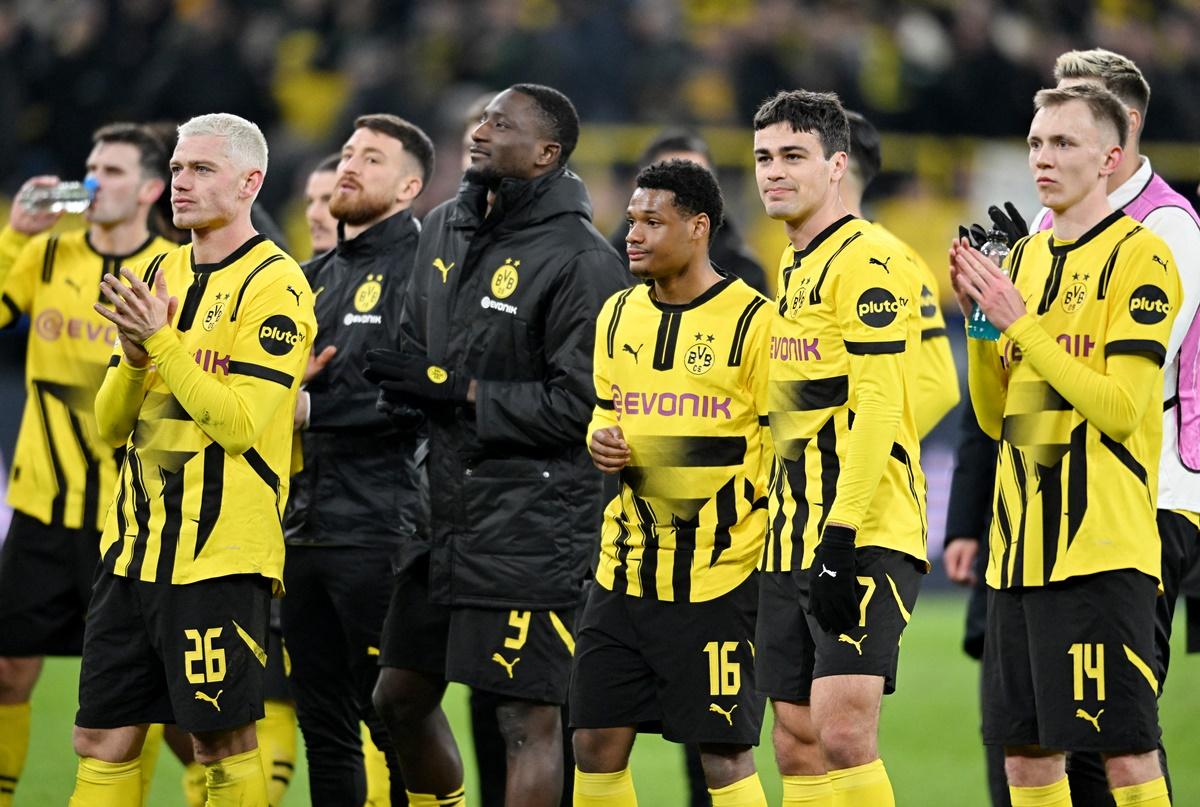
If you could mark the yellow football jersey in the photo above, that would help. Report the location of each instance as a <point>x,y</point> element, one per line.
<point>1069,499</point>
<point>851,297</point>
<point>202,490</point>
<point>688,523</point>
<point>62,472</point>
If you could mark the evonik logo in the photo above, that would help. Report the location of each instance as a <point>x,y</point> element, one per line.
<point>671,404</point>
<point>496,305</point>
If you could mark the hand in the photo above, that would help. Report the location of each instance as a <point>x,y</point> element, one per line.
<point>137,311</point>
<point>135,355</point>
<point>404,375</point>
<point>403,416</point>
<point>975,277</point>
<point>1009,221</point>
<point>833,597</point>
<point>32,222</point>
<point>317,362</point>
<point>959,558</point>
<point>300,417</point>
<point>610,453</point>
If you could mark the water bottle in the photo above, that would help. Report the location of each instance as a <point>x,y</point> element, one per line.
<point>65,197</point>
<point>996,250</point>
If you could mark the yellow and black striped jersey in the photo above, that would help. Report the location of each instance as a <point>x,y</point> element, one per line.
<point>62,472</point>
<point>845,335</point>
<point>688,523</point>
<point>208,426</point>
<point>1069,499</point>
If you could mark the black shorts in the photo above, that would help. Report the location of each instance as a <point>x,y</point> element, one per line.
<point>792,649</point>
<point>1070,666</point>
<point>685,669</point>
<point>186,654</point>
<point>525,655</point>
<point>46,576</point>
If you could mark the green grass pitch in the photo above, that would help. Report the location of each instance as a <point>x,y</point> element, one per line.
<point>929,731</point>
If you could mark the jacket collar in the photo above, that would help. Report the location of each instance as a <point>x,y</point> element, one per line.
<point>521,202</point>
<point>379,238</point>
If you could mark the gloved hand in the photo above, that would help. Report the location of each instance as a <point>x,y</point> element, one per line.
<point>833,597</point>
<point>405,376</point>
<point>1008,221</point>
<point>402,413</point>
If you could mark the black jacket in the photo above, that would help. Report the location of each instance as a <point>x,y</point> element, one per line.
<point>727,250</point>
<point>359,485</point>
<point>511,300</point>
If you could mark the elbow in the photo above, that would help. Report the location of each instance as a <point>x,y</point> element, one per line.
<point>112,434</point>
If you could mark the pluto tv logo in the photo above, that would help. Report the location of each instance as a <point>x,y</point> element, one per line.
<point>878,307</point>
<point>1148,305</point>
<point>278,335</point>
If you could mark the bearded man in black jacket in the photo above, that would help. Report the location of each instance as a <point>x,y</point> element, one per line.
<point>497,352</point>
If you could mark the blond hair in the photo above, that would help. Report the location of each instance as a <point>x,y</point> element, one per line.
<point>1105,107</point>
<point>244,141</point>
<point>1117,73</point>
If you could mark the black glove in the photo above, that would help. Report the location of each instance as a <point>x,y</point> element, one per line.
<point>403,414</point>
<point>411,377</point>
<point>833,597</point>
<point>1008,221</point>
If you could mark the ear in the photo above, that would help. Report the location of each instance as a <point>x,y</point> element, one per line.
<point>548,155</point>
<point>251,184</point>
<point>841,163</point>
<point>701,224</point>
<point>1112,158</point>
<point>1135,123</point>
<point>410,188</point>
<point>150,190</point>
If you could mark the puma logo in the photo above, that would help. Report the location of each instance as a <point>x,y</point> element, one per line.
<point>825,570</point>
<point>633,352</point>
<point>714,708</point>
<point>200,696</point>
<point>1160,262</point>
<point>857,645</point>
<point>499,659</point>
<point>295,294</point>
<point>883,263</point>
<point>1095,721</point>
<point>440,265</point>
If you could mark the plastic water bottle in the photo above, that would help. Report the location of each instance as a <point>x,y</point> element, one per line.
<point>996,250</point>
<point>65,197</point>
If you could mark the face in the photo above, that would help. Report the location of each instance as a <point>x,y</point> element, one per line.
<point>509,141</point>
<point>662,239</point>
<point>322,226</point>
<point>1070,154</point>
<point>122,188</point>
<point>207,189</point>
<point>375,175</point>
<point>794,177</point>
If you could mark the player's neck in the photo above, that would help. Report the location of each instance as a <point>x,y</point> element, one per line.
<point>122,238</point>
<point>1131,161</point>
<point>218,243</point>
<point>801,232</point>
<point>686,286</point>
<point>351,231</point>
<point>1074,221</point>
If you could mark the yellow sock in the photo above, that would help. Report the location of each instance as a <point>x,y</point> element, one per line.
<point>807,791</point>
<point>14,746</point>
<point>1147,794</point>
<point>747,792</point>
<point>236,781</point>
<point>107,784</point>
<point>1055,795</point>
<point>150,748</point>
<point>604,789</point>
<point>863,786</point>
<point>456,798</point>
<point>379,791</point>
<point>195,791</point>
<point>277,747</point>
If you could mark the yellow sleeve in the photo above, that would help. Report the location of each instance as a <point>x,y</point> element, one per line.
<point>19,265</point>
<point>758,344</point>
<point>119,399</point>
<point>987,381</point>
<point>604,412</point>
<point>269,355</point>
<point>937,377</point>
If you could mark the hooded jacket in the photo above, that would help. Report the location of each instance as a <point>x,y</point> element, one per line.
<point>510,299</point>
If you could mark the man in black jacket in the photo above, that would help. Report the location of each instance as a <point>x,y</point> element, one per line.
<point>497,351</point>
<point>357,497</point>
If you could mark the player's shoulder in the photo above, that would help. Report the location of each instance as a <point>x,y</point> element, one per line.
<point>740,296</point>
<point>635,294</point>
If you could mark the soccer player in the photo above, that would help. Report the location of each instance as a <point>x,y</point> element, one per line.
<point>666,635</point>
<point>846,539</point>
<point>318,190</point>
<point>937,379</point>
<point>358,496</point>
<point>202,395</point>
<point>63,472</point>
<point>1072,391</point>
<point>497,351</point>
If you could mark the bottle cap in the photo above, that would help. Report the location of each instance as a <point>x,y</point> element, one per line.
<point>92,185</point>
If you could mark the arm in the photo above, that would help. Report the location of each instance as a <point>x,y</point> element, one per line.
<point>606,442</point>
<point>119,399</point>
<point>988,385</point>
<point>972,482</point>
<point>355,412</point>
<point>937,383</point>
<point>20,264</point>
<point>1182,236</point>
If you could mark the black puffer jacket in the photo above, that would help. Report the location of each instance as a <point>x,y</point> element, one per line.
<point>511,300</point>
<point>359,485</point>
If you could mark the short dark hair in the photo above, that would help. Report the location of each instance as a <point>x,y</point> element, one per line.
<point>674,140</point>
<point>559,118</point>
<point>820,113</point>
<point>327,163</point>
<point>415,141</point>
<point>865,155</point>
<point>694,186</point>
<point>152,153</point>
<point>1106,108</point>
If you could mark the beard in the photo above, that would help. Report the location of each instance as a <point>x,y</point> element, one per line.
<point>358,208</point>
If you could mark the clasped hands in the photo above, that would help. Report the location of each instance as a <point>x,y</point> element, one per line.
<point>137,311</point>
<point>977,280</point>
<point>409,379</point>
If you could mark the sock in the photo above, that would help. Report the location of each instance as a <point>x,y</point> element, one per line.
<point>1055,795</point>
<point>863,786</point>
<point>14,746</point>
<point>1147,794</point>
<point>195,791</point>
<point>378,778</point>
<point>277,747</point>
<point>236,781</point>
<point>457,798</point>
<point>747,792</point>
<point>807,791</point>
<point>604,789</point>
<point>150,748</point>
<point>107,784</point>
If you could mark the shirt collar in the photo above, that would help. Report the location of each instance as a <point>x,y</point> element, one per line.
<point>1133,186</point>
